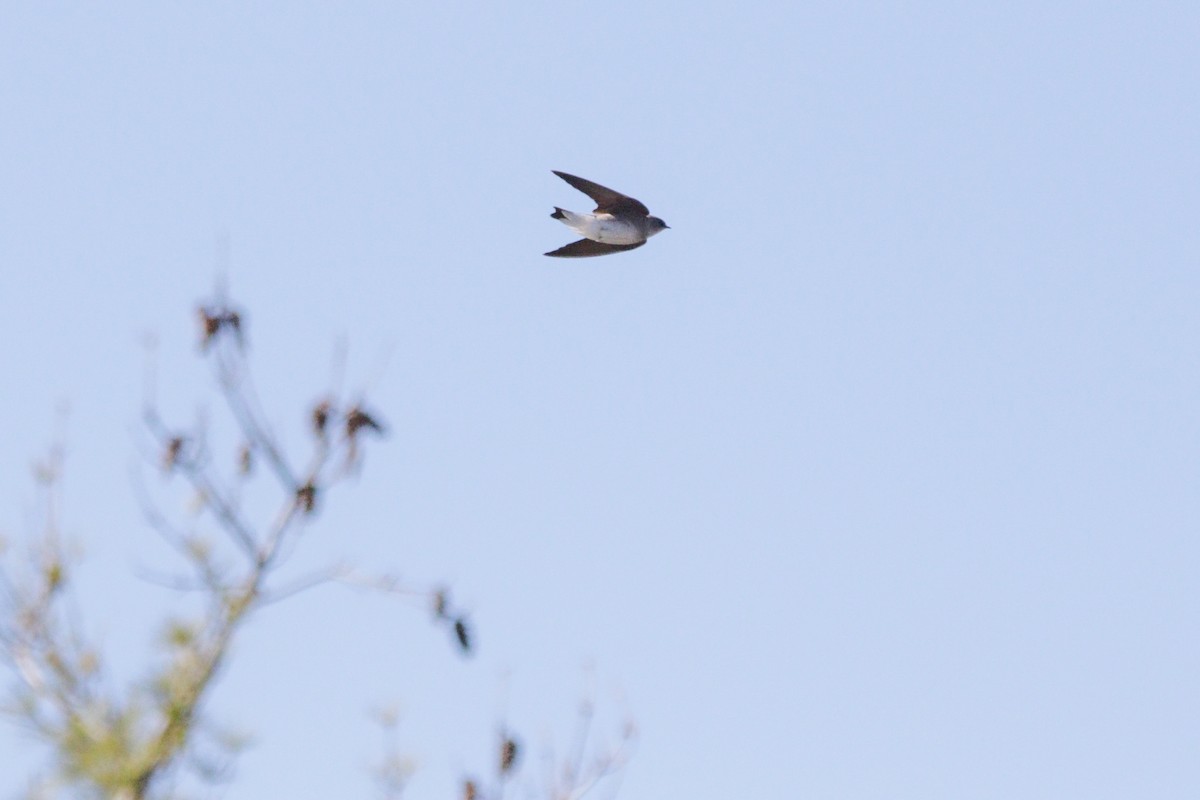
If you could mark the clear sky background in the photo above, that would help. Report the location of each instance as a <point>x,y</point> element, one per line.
<point>875,476</point>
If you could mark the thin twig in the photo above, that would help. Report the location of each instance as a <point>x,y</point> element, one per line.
<point>311,581</point>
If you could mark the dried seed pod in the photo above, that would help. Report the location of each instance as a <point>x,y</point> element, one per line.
<point>172,453</point>
<point>320,416</point>
<point>508,754</point>
<point>470,790</point>
<point>441,601</point>
<point>245,459</point>
<point>357,419</point>
<point>463,634</point>
<point>234,320</point>
<point>306,497</point>
<point>210,325</point>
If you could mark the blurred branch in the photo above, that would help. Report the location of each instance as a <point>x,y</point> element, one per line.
<point>134,745</point>
<point>587,765</point>
<point>129,746</point>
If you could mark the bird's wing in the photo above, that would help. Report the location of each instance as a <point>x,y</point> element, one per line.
<point>607,201</point>
<point>585,248</point>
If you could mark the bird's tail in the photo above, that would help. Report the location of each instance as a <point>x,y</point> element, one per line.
<point>558,214</point>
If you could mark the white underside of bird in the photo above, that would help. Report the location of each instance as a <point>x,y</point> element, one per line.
<point>603,228</point>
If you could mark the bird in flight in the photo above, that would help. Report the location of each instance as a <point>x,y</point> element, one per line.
<point>618,223</point>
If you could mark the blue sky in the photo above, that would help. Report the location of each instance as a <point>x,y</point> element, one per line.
<point>875,476</point>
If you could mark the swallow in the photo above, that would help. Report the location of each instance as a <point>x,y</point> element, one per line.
<point>618,222</point>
